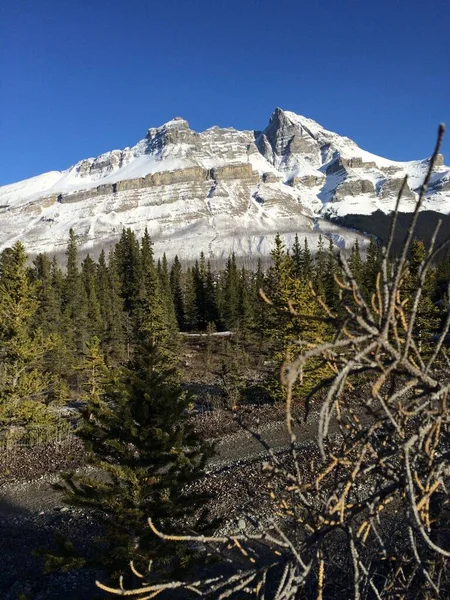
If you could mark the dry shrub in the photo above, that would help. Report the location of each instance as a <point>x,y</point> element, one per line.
<point>367,517</point>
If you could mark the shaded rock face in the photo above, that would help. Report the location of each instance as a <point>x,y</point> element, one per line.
<point>309,181</point>
<point>342,164</point>
<point>353,188</point>
<point>173,133</point>
<point>391,187</point>
<point>219,191</point>
<point>104,164</point>
<point>282,139</point>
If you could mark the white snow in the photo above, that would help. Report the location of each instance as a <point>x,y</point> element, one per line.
<point>236,215</point>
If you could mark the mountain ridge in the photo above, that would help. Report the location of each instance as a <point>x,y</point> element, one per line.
<point>227,189</point>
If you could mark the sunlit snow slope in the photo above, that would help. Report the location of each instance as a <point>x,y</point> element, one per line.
<point>216,191</point>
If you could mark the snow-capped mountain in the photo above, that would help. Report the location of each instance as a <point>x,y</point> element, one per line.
<point>216,191</point>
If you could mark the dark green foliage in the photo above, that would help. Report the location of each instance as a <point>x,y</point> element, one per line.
<point>378,224</point>
<point>75,309</point>
<point>126,299</point>
<point>372,267</point>
<point>230,294</point>
<point>144,453</point>
<point>111,309</point>
<point>330,286</point>
<point>25,379</point>
<point>154,314</point>
<point>129,267</point>
<point>190,301</point>
<point>177,293</point>
<point>356,263</point>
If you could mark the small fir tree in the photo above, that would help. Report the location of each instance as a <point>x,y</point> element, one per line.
<point>24,381</point>
<point>145,452</point>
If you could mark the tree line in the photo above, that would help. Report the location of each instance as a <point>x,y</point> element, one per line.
<point>106,332</point>
<point>50,317</point>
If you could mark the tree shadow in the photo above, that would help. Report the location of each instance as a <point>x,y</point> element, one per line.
<point>23,531</point>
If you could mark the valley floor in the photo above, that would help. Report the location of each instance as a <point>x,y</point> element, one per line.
<point>32,511</point>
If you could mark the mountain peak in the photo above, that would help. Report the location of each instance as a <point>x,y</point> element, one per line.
<point>216,184</point>
<point>176,122</point>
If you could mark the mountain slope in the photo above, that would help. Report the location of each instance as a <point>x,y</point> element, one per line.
<point>216,191</point>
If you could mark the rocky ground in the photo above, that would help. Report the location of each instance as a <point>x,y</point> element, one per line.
<point>32,511</point>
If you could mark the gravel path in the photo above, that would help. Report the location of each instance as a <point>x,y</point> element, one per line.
<point>32,511</point>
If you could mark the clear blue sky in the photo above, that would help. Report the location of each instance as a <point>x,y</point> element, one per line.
<point>79,78</point>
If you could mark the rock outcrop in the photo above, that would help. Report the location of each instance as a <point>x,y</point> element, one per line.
<point>216,191</point>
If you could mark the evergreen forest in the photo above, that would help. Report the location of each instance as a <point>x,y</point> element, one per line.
<point>102,350</point>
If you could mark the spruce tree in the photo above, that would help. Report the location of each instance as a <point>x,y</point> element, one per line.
<point>190,301</point>
<point>246,305</point>
<point>94,314</point>
<point>319,270</point>
<point>356,263</point>
<point>288,318</point>
<point>330,287</point>
<point>144,452</point>
<point>111,309</point>
<point>307,266</point>
<point>211,310</point>
<point>155,317</point>
<point>129,269</point>
<point>230,294</point>
<point>74,306</point>
<point>297,257</point>
<point>372,267</point>
<point>199,281</point>
<point>25,382</point>
<point>428,317</point>
<point>177,293</point>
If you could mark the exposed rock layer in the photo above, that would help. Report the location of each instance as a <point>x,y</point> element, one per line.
<point>218,191</point>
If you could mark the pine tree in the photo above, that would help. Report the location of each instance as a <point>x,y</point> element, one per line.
<point>246,306</point>
<point>177,293</point>
<point>278,277</point>
<point>260,307</point>
<point>288,319</point>
<point>297,257</point>
<point>330,287</point>
<point>111,308</point>
<point>372,267</point>
<point>129,268</point>
<point>48,280</point>
<point>24,381</point>
<point>155,317</point>
<point>319,270</point>
<point>428,318</point>
<point>190,301</point>
<point>230,294</point>
<point>211,310</point>
<point>94,314</point>
<point>48,313</point>
<point>307,268</point>
<point>356,263</point>
<point>74,305</point>
<point>199,281</point>
<point>166,291</point>
<point>144,452</point>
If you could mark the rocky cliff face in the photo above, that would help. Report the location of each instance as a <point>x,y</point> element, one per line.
<point>216,191</point>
